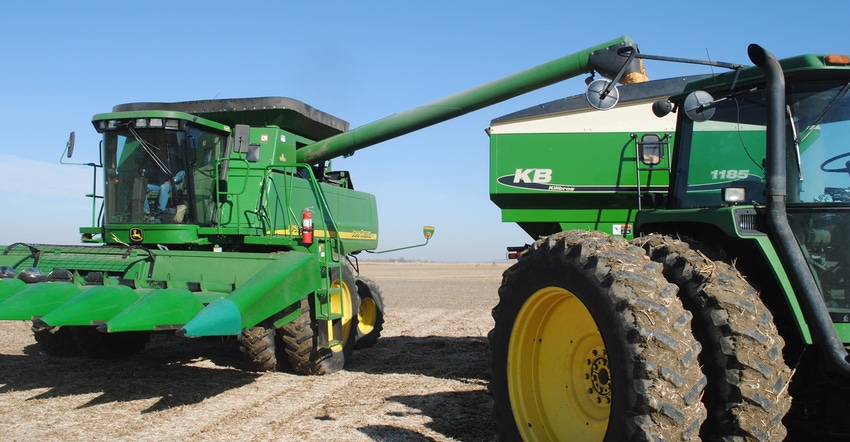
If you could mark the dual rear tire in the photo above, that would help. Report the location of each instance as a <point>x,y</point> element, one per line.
<point>747,394</point>
<point>592,343</point>
<point>597,339</point>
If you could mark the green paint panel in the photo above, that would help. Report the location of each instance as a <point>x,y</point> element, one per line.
<point>95,305</point>
<point>220,318</point>
<point>571,180</point>
<point>283,282</point>
<point>37,300</point>
<point>276,287</point>
<point>10,287</point>
<point>721,217</point>
<point>153,233</point>
<point>566,163</point>
<point>353,213</point>
<point>210,270</point>
<point>723,156</point>
<point>770,254</point>
<point>158,309</point>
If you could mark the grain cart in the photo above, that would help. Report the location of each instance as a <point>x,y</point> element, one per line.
<point>689,278</point>
<point>222,218</point>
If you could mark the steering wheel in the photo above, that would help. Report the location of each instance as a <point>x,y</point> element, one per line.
<point>845,169</point>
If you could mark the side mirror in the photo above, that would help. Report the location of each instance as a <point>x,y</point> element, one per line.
<point>242,137</point>
<point>69,146</point>
<point>699,106</point>
<point>428,231</point>
<point>602,94</point>
<point>662,108</point>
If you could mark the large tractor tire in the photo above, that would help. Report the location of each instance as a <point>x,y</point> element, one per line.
<point>55,341</point>
<point>258,345</point>
<point>591,343</point>
<point>97,345</point>
<point>746,396</point>
<point>300,337</point>
<point>370,315</point>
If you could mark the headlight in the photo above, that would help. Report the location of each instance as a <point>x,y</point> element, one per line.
<point>734,195</point>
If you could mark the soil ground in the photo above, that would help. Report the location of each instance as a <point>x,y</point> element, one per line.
<point>425,379</point>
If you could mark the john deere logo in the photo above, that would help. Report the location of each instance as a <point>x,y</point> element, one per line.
<point>136,234</point>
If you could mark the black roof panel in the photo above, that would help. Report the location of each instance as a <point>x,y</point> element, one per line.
<point>286,113</point>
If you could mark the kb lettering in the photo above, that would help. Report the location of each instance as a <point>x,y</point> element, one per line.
<point>541,176</point>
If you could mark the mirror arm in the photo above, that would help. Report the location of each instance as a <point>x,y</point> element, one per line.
<point>721,64</point>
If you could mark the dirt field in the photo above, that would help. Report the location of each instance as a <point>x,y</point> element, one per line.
<point>425,379</point>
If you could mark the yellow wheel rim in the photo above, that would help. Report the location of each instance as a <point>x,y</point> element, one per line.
<point>341,304</point>
<point>367,315</point>
<point>559,380</point>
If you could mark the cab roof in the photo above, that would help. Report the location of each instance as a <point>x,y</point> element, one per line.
<point>286,113</point>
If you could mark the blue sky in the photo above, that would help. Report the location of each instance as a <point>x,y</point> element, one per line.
<point>63,62</point>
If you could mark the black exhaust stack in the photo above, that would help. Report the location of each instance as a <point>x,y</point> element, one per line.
<point>811,301</point>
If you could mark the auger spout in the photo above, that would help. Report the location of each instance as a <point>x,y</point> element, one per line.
<point>471,100</point>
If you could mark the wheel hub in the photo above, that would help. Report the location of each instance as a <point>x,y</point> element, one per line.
<point>367,315</point>
<point>599,377</point>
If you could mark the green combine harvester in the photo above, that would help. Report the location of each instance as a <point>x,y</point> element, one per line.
<point>222,218</point>
<point>689,276</point>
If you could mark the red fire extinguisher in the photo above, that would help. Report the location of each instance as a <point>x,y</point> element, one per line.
<point>307,226</point>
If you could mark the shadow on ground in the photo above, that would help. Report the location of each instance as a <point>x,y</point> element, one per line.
<point>462,416</point>
<point>457,415</point>
<point>460,358</point>
<point>163,370</point>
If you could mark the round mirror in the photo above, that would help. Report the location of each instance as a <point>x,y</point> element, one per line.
<point>693,106</point>
<point>662,108</point>
<point>595,91</point>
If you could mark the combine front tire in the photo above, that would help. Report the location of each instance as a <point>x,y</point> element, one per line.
<point>370,315</point>
<point>258,346</point>
<point>55,341</point>
<point>591,343</point>
<point>97,345</point>
<point>300,337</point>
<point>746,396</point>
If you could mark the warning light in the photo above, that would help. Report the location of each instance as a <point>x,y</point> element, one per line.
<point>840,60</point>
